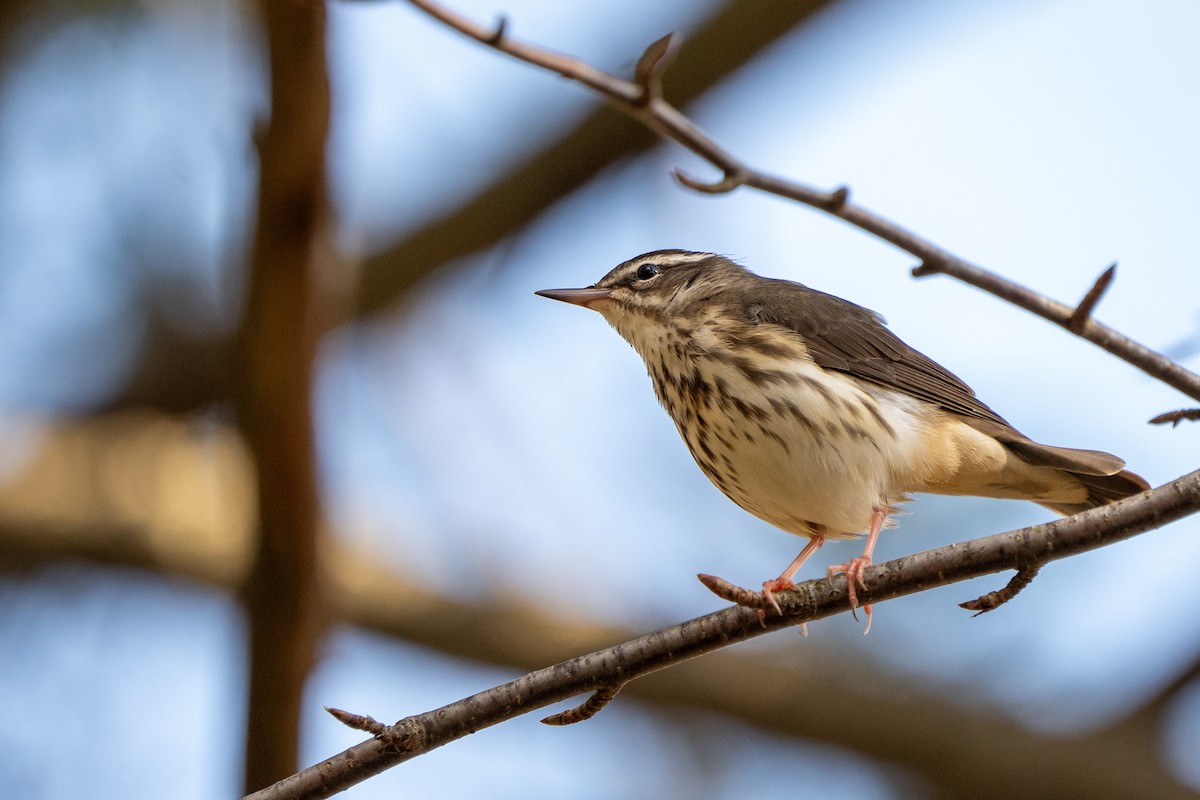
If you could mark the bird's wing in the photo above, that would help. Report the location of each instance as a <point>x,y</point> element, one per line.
<point>848,338</point>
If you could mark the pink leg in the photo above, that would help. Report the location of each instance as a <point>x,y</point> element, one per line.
<point>855,567</point>
<point>784,581</point>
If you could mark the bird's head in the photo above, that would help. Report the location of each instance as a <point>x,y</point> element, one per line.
<point>654,287</point>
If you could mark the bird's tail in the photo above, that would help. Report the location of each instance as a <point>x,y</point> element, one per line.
<point>1100,473</point>
<point>1102,490</point>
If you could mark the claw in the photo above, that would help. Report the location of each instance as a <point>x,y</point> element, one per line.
<point>854,577</point>
<point>855,568</point>
<point>780,584</point>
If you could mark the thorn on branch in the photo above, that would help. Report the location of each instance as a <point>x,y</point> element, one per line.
<point>360,722</point>
<point>993,600</point>
<point>837,199</point>
<point>925,268</point>
<point>497,37</point>
<point>588,709</point>
<point>1083,312</point>
<point>731,181</point>
<point>653,63</point>
<point>1176,417</point>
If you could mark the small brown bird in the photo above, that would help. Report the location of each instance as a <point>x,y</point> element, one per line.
<point>805,410</point>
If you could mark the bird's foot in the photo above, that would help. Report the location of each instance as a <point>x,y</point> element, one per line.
<point>780,584</point>
<point>854,579</point>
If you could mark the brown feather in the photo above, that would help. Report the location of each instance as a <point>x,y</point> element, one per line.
<point>848,338</point>
<point>1102,490</point>
<point>1083,462</point>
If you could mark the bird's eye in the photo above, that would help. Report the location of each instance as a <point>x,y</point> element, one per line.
<point>647,271</point>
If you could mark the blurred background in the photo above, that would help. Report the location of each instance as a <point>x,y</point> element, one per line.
<point>285,427</point>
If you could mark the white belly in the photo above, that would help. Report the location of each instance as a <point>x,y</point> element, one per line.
<point>814,455</point>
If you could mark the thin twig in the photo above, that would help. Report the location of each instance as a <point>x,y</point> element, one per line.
<point>1083,312</point>
<point>908,575</point>
<point>670,123</point>
<point>731,181</point>
<point>652,65</point>
<point>588,709</point>
<point>1176,417</point>
<point>737,595</point>
<point>993,600</point>
<point>360,722</point>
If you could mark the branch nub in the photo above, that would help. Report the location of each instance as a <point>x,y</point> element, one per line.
<point>838,199</point>
<point>653,63</point>
<point>1083,312</point>
<point>588,709</point>
<point>993,600</point>
<point>926,268</point>
<point>497,37</point>
<point>731,181</point>
<point>360,722</point>
<point>1176,417</point>
<point>736,594</point>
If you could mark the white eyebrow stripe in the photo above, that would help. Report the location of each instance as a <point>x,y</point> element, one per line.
<point>678,258</point>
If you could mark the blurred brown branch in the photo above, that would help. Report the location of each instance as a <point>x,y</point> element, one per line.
<point>138,481</point>
<point>180,372</point>
<point>816,599</point>
<point>283,592</point>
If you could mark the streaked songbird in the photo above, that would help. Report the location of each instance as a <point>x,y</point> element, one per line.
<point>806,411</point>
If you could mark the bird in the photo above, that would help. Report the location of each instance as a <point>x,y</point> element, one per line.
<point>808,412</point>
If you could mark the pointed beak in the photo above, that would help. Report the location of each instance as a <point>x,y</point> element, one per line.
<point>579,297</point>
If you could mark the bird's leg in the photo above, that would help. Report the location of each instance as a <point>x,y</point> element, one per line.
<point>856,566</point>
<point>784,581</point>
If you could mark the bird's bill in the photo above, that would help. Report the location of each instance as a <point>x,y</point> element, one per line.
<point>579,297</point>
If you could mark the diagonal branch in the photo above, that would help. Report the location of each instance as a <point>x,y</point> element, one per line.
<point>663,118</point>
<point>822,697</point>
<point>735,34</point>
<point>812,600</point>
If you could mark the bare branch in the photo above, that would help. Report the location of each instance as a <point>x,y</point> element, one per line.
<point>789,697</point>
<point>566,66</point>
<point>670,123</point>
<point>421,733</point>
<point>736,32</point>
<point>654,63</point>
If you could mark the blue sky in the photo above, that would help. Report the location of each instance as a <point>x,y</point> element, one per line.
<point>489,441</point>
